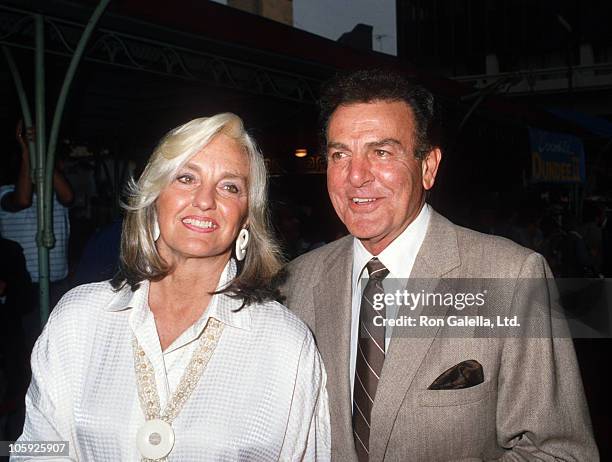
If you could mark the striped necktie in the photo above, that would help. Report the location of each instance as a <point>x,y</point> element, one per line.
<point>370,358</point>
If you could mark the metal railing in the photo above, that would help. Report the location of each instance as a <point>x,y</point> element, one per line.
<point>149,55</point>
<point>581,77</point>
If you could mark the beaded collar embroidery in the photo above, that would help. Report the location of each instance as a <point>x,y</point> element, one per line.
<point>145,377</point>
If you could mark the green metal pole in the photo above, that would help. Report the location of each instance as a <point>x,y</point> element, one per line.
<point>43,251</point>
<point>23,101</point>
<point>49,238</point>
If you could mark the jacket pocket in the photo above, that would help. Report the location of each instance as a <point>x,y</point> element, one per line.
<point>440,398</point>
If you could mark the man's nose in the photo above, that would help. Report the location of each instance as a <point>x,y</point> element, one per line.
<point>204,197</point>
<point>360,172</point>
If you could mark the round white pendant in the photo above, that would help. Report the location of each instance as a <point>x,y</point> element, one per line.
<point>155,439</point>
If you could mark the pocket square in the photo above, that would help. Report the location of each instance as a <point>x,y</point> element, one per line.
<point>466,374</point>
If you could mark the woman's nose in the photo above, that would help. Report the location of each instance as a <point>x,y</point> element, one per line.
<point>204,197</point>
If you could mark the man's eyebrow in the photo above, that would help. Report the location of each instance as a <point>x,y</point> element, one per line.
<point>336,145</point>
<point>384,142</point>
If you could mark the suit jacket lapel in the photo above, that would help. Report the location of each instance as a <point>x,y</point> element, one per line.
<point>332,298</point>
<point>438,255</point>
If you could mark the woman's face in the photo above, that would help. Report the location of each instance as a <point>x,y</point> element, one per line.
<point>205,205</point>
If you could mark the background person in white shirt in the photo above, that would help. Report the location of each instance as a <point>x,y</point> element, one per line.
<point>18,209</point>
<point>184,355</point>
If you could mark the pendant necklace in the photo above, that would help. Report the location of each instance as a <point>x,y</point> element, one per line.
<point>155,438</point>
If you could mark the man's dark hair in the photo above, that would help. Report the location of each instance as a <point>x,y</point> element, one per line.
<point>369,85</point>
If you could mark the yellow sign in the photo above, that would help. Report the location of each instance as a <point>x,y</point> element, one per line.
<point>555,171</point>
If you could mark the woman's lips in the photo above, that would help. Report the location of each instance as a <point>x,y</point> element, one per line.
<point>200,224</point>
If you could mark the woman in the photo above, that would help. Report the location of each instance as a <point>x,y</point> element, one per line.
<point>184,356</point>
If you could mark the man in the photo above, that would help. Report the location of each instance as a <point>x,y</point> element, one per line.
<point>18,211</point>
<point>433,397</point>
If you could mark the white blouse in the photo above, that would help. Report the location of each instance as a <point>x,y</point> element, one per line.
<point>262,396</point>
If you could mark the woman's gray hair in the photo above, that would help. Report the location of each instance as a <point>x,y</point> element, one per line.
<point>139,258</point>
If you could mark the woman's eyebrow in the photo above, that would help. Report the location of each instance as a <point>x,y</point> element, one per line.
<point>191,166</point>
<point>234,175</point>
<point>225,173</point>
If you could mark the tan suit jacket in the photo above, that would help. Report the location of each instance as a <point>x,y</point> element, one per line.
<point>530,406</point>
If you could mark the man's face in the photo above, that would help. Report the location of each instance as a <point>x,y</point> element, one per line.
<point>375,183</point>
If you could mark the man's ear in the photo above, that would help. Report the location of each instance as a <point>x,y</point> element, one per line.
<point>429,166</point>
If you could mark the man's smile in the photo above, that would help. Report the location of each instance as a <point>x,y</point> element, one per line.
<point>363,200</point>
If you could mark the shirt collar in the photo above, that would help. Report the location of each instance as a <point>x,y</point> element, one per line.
<point>222,307</point>
<point>399,256</point>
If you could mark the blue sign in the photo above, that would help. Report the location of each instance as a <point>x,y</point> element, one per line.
<point>556,157</point>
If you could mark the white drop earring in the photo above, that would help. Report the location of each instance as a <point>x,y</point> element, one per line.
<point>155,232</point>
<point>242,242</point>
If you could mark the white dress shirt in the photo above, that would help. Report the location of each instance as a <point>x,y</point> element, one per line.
<point>398,257</point>
<point>261,397</point>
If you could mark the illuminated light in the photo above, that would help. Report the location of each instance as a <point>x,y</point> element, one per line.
<point>301,152</point>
